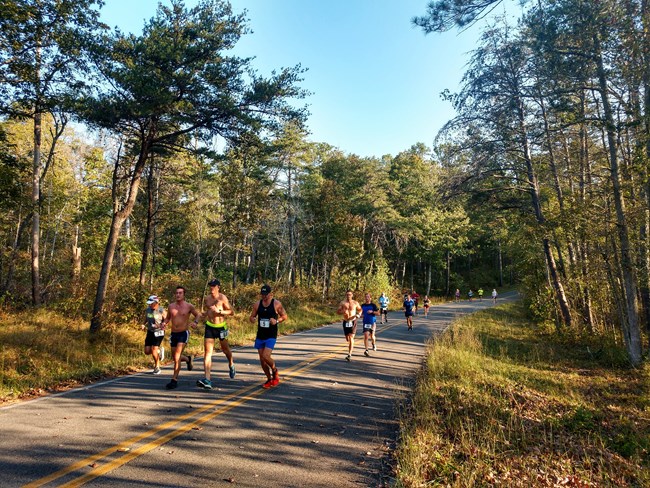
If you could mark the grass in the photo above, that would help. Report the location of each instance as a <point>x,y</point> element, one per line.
<point>502,402</point>
<point>43,351</point>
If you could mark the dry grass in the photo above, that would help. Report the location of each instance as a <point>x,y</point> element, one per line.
<point>503,403</point>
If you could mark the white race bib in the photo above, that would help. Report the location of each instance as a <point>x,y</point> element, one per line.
<point>367,326</point>
<point>349,323</point>
<point>158,333</point>
<point>265,323</point>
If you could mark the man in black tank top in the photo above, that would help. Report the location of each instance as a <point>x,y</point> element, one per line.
<point>268,312</point>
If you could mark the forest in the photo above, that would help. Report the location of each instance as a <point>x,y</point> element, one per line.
<point>131,163</point>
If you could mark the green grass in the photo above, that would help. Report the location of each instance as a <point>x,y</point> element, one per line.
<point>502,402</point>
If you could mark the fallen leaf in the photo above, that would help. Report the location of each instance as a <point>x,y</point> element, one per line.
<point>124,449</point>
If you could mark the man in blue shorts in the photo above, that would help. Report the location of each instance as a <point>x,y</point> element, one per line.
<point>179,316</point>
<point>408,307</point>
<point>370,312</point>
<point>351,311</point>
<point>268,312</point>
<point>216,328</point>
<point>154,316</point>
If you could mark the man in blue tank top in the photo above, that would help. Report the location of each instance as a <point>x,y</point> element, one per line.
<point>370,312</point>
<point>268,312</point>
<point>408,306</point>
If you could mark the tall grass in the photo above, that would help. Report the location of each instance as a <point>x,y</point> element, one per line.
<point>503,402</point>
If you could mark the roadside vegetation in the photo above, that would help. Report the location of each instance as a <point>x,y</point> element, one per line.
<point>502,401</point>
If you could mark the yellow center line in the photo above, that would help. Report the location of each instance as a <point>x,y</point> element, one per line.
<point>125,446</point>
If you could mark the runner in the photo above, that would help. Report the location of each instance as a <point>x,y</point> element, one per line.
<point>408,306</point>
<point>351,311</point>
<point>218,307</point>
<point>494,295</point>
<point>427,303</point>
<point>179,316</point>
<point>269,313</point>
<point>470,294</point>
<point>480,294</point>
<point>370,312</point>
<point>457,295</point>
<point>154,316</point>
<point>416,298</point>
<point>383,307</point>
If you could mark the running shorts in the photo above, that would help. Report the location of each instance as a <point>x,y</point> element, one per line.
<point>265,343</point>
<point>179,338</point>
<point>349,327</point>
<point>152,340</point>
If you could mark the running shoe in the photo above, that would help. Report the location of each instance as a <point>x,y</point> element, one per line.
<point>156,370</point>
<point>267,385</point>
<point>190,366</point>
<point>374,347</point>
<point>275,382</point>
<point>231,371</point>
<point>204,383</point>
<point>276,376</point>
<point>348,357</point>
<point>172,385</point>
<point>366,353</point>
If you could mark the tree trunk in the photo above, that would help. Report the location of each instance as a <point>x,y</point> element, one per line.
<point>148,231</point>
<point>631,328</point>
<point>36,204</point>
<point>119,217</point>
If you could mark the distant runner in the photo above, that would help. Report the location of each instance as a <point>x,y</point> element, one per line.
<point>416,298</point>
<point>427,304</point>
<point>383,307</point>
<point>480,294</point>
<point>408,307</point>
<point>494,295</point>
<point>269,313</point>
<point>351,311</point>
<point>218,307</point>
<point>457,295</point>
<point>154,317</point>
<point>179,316</point>
<point>370,312</point>
<point>470,294</point>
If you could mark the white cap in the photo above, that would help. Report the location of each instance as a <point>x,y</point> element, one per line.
<point>153,299</point>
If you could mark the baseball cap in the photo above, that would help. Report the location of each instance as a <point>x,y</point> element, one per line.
<point>153,299</point>
<point>214,282</point>
<point>266,289</point>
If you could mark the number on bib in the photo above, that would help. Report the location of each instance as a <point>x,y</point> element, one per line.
<point>158,333</point>
<point>265,323</point>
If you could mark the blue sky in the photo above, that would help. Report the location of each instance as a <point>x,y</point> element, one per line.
<point>375,79</point>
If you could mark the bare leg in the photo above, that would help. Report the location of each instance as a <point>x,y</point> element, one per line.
<point>208,347</point>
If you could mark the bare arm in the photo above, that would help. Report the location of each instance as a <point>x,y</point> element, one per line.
<point>254,312</point>
<point>282,314</point>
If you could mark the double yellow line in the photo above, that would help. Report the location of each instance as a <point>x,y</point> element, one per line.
<point>224,404</point>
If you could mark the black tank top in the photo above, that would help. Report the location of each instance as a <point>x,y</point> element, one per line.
<point>265,330</point>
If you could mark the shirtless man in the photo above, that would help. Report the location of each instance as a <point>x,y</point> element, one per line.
<point>351,311</point>
<point>268,313</point>
<point>218,307</point>
<point>179,315</point>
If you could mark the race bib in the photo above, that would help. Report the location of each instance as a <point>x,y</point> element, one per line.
<point>265,323</point>
<point>223,334</point>
<point>367,326</point>
<point>348,324</point>
<point>158,333</point>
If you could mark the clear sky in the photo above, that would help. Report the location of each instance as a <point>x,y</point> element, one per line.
<point>375,79</point>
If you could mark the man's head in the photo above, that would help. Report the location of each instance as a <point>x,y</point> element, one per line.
<point>153,301</point>
<point>180,293</point>
<point>349,295</point>
<point>214,284</point>
<point>265,291</point>
<point>367,297</point>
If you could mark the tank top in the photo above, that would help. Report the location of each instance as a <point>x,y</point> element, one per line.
<point>265,330</point>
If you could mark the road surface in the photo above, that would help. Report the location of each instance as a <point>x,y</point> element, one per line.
<point>329,423</point>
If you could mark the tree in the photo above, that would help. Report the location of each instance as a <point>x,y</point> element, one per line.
<point>174,81</point>
<point>41,57</point>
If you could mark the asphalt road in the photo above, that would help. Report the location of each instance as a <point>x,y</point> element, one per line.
<point>330,423</point>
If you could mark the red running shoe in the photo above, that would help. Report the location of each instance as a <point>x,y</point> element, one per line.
<point>275,382</point>
<point>268,384</point>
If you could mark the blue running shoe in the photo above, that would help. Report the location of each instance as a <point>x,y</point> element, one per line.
<point>232,371</point>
